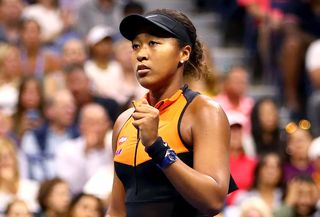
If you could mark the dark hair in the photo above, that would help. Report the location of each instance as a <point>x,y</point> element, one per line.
<point>25,21</point>
<point>133,7</point>
<point>45,190</point>
<point>277,140</point>
<point>262,162</point>
<point>195,66</point>
<point>75,200</point>
<point>20,108</point>
<point>73,67</point>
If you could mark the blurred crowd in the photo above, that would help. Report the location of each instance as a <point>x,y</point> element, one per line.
<point>66,75</point>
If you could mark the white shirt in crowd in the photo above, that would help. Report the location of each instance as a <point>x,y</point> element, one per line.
<point>76,166</point>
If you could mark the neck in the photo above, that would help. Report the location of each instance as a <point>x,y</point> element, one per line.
<point>57,128</point>
<point>51,213</point>
<point>267,137</point>
<point>166,91</point>
<point>234,99</point>
<point>267,193</point>
<point>236,152</point>
<point>32,51</point>
<point>86,98</point>
<point>300,163</point>
<point>265,189</point>
<point>101,63</point>
<point>47,4</point>
<point>8,186</point>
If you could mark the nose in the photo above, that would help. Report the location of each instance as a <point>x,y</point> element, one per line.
<point>142,54</point>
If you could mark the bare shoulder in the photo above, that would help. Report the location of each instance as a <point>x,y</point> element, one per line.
<point>204,106</point>
<point>203,115</point>
<point>123,117</point>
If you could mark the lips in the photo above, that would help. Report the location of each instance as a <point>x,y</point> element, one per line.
<point>143,69</point>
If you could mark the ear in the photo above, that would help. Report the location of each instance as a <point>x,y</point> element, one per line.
<point>185,53</point>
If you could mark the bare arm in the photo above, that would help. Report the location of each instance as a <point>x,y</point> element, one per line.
<point>205,185</point>
<point>117,206</point>
<point>206,127</point>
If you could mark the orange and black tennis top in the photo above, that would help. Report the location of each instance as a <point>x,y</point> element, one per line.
<point>147,190</point>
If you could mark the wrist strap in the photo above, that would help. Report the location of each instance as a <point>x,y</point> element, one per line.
<point>157,150</point>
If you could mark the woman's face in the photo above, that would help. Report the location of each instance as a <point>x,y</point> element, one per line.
<point>87,206</point>
<point>12,63</point>
<point>30,95</point>
<point>59,198</point>
<point>298,144</point>
<point>102,49</point>
<point>31,34</point>
<point>7,164</point>
<point>268,116</point>
<point>155,60</point>
<point>270,171</point>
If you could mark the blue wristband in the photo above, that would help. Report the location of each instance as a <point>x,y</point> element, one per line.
<point>161,154</point>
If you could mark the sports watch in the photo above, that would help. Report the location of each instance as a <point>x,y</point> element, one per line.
<point>169,158</point>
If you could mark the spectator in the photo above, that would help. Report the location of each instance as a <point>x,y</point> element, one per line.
<point>298,142</point>
<point>29,114</point>
<point>11,11</point>
<point>132,7</point>
<point>233,95</point>
<point>73,52</point>
<point>80,86</point>
<point>6,126</point>
<point>313,69</point>
<point>52,25</point>
<point>300,199</point>
<point>98,12</point>
<point>255,207</point>
<point>130,88</point>
<point>268,181</point>
<point>84,205</point>
<point>17,208</point>
<point>314,156</point>
<point>11,184</point>
<point>241,165</point>
<point>36,61</point>
<point>40,145</point>
<point>302,26</point>
<point>267,186</point>
<point>266,130</point>
<point>10,74</point>
<point>54,198</point>
<point>101,68</point>
<point>77,160</point>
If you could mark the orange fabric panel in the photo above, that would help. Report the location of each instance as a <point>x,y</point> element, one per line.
<point>170,111</point>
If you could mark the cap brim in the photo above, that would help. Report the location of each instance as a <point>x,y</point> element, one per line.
<point>133,24</point>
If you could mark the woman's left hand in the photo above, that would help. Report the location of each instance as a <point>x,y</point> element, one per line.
<point>146,120</point>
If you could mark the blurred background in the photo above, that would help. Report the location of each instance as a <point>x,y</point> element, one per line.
<point>65,76</point>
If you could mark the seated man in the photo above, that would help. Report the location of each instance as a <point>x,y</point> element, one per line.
<point>40,145</point>
<point>79,159</point>
<point>80,86</point>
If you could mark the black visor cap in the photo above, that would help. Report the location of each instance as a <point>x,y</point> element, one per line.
<point>132,25</point>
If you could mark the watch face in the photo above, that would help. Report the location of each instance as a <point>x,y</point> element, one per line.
<point>171,155</point>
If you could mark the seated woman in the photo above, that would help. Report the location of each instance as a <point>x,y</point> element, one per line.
<point>11,184</point>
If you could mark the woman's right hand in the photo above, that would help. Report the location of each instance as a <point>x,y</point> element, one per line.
<point>146,120</point>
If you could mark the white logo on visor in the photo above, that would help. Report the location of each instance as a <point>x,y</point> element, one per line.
<point>151,16</point>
